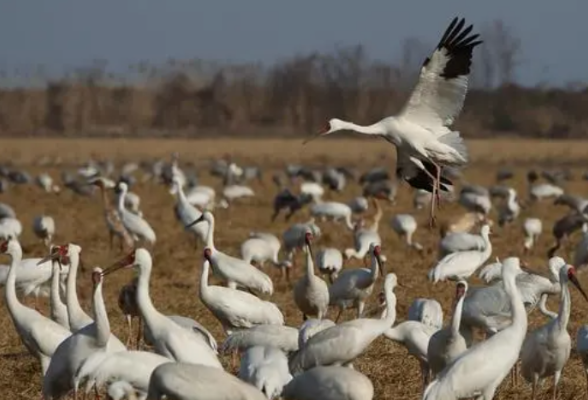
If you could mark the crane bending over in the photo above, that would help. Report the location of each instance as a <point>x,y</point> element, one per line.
<point>424,143</point>
<point>341,344</point>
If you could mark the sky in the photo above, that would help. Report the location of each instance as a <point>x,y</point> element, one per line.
<point>62,34</point>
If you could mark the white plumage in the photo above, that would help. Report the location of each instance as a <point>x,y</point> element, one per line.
<point>266,368</point>
<point>233,308</point>
<point>234,271</point>
<point>136,225</point>
<point>532,227</point>
<point>463,264</point>
<point>44,228</point>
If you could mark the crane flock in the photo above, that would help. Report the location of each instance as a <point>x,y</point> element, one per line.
<point>317,352</point>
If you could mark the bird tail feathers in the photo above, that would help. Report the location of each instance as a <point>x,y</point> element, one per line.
<point>454,140</point>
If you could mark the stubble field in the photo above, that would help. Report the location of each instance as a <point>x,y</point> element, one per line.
<point>177,262</point>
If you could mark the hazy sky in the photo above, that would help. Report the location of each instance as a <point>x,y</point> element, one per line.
<point>61,33</point>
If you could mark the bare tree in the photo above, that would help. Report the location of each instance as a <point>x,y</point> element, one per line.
<point>499,56</point>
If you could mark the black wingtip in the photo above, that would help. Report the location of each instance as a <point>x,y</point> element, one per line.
<point>459,44</point>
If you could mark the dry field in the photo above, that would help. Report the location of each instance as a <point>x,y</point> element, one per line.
<point>177,263</point>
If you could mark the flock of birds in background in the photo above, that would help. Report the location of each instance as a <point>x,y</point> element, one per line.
<point>176,357</point>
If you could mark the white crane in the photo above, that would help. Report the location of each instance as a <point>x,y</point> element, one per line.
<point>448,343</point>
<point>455,242</point>
<point>353,286</point>
<point>405,225</point>
<point>532,227</point>
<point>311,293</point>
<point>281,337</point>
<point>424,143</point>
<point>414,336</point>
<point>132,202</point>
<point>510,210</point>
<point>329,383</point>
<point>138,227</point>
<point>362,239</point>
<point>329,261</point>
<point>463,264</point>
<point>39,334</point>
<point>266,368</point>
<point>232,192</point>
<point>234,271</point>
<point>73,351</point>
<point>544,191</point>
<point>546,350</point>
<point>169,339</point>
<point>481,368</point>
<point>235,309</point>
<point>33,277</point>
<point>58,308</point>
<point>421,199</point>
<point>427,311</point>
<point>261,247</point>
<point>44,228</point>
<point>180,381</point>
<point>122,390</point>
<point>77,317</point>
<point>334,210</point>
<point>132,367</point>
<point>311,327</point>
<point>341,344</point>
<point>186,213</point>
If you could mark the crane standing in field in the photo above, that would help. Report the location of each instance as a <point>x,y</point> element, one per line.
<point>547,349</point>
<point>424,143</point>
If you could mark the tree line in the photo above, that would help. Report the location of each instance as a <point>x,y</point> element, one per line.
<point>292,96</point>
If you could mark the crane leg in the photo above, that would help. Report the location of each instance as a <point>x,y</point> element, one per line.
<point>556,379</point>
<point>139,332</point>
<point>534,387</point>
<point>339,314</point>
<point>129,319</point>
<point>360,308</point>
<point>438,185</point>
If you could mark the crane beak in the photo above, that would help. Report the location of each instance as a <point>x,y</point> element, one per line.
<point>324,131</point>
<point>125,262</point>
<point>380,264</point>
<point>196,221</point>
<point>574,279</point>
<point>53,255</point>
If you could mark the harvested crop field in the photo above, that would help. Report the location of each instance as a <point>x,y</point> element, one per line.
<point>176,269</point>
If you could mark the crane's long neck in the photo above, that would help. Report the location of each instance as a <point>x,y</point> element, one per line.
<point>519,314</point>
<point>565,305</point>
<point>374,269</point>
<point>374,129</point>
<point>121,200</point>
<point>210,235</point>
<point>204,279</point>
<point>55,296</point>
<point>10,291</point>
<point>74,310</point>
<point>309,263</point>
<point>456,317</point>
<point>148,310</point>
<point>181,194</point>
<point>488,247</point>
<point>390,311</point>
<point>101,323</point>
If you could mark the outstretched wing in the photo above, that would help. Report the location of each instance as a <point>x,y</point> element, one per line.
<point>440,92</point>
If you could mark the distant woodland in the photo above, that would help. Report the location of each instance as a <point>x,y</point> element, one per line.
<point>293,96</point>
